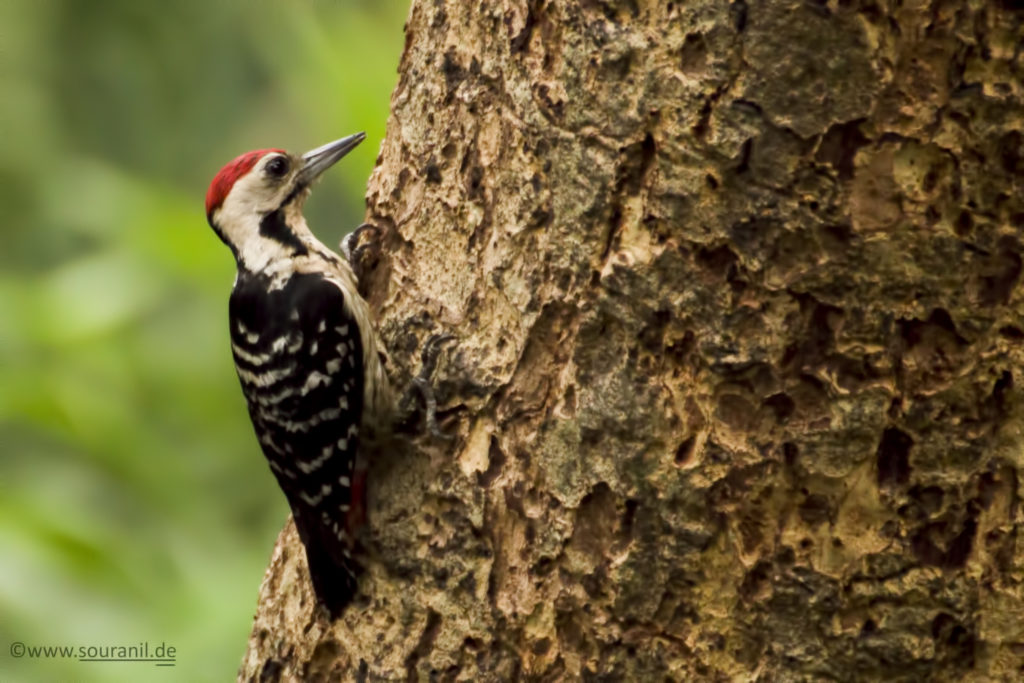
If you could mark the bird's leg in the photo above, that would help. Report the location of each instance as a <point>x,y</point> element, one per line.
<point>420,391</point>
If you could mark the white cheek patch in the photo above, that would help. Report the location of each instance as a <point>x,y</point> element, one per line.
<point>239,216</point>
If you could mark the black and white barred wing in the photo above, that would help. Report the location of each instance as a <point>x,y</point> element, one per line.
<point>299,358</point>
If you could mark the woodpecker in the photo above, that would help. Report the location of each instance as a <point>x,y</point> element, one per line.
<point>305,351</point>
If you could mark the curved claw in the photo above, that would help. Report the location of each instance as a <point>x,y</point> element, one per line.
<point>431,350</point>
<point>350,247</point>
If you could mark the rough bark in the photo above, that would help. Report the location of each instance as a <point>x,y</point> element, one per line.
<point>739,337</point>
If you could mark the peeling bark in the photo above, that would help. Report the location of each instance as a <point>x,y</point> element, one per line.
<point>735,292</point>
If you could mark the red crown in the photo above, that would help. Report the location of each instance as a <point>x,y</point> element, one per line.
<point>227,176</point>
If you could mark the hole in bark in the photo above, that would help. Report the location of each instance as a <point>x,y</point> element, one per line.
<point>755,579</point>
<point>790,452</point>
<point>745,151</point>
<point>453,72</point>
<point>521,41</point>
<point>893,457</point>
<point>629,517</point>
<point>953,636</point>
<point>1000,389</point>
<point>1001,273</point>
<point>738,12</point>
<point>1011,332</point>
<point>957,550</point>
<point>474,181</point>
<point>648,151</point>
<point>720,260</point>
<point>271,670</point>
<point>836,240</point>
<point>942,624</point>
<point>964,223</point>
<point>431,171</point>
<point>781,405</point>
<point>693,55</point>
<point>839,147</point>
<point>684,451</point>
<point>895,407</point>
<point>496,459</point>
<point>652,336</point>
<point>915,331</point>
<point>987,488</point>
<point>543,566</point>
<point>678,351</point>
<point>1011,149</point>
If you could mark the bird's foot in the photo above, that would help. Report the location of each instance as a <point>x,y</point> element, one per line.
<point>361,253</point>
<point>418,405</point>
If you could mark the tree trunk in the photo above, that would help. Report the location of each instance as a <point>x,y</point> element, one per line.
<point>738,338</point>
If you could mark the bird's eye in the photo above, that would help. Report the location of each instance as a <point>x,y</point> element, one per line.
<point>277,167</point>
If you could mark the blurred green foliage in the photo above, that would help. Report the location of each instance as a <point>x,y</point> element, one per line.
<point>134,502</point>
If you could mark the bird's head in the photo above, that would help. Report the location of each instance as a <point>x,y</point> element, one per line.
<point>254,203</point>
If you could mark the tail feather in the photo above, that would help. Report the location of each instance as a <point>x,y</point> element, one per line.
<point>335,584</point>
<point>333,572</point>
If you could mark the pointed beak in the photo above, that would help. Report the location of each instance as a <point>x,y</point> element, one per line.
<point>316,161</point>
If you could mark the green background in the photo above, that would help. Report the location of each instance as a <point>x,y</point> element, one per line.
<point>134,502</point>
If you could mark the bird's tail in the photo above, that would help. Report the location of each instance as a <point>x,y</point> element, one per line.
<point>335,583</point>
<point>332,570</point>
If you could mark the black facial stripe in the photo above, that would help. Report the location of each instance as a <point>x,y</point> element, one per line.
<point>274,226</point>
